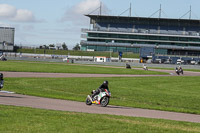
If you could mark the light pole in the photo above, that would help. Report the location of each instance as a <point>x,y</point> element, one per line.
<point>110,52</point>
<point>4,44</point>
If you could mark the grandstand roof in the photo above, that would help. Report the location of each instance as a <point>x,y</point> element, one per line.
<point>128,19</point>
<point>7,28</point>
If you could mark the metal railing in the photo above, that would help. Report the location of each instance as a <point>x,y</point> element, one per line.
<point>151,32</point>
<point>140,45</point>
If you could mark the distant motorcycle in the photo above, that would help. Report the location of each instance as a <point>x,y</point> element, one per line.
<point>1,81</point>
<point>179,71</point>
<point>145,68</point>
<point>2,58</point>
<point>102,98</point>
<point>1,84</point>
<point>128,66</point>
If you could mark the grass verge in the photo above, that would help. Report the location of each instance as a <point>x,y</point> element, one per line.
<point>178,94</point>
<point>28,120</point>
<point>78,53</point>
<point>24,66</point>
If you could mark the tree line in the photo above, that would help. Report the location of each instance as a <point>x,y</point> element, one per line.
<point>62,46</point>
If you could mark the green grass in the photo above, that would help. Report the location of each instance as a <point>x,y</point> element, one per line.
<point>192,70</point>
<point>178,94</point>
<point>28,120</point>
<point>25,66</point>
<point>79,53</point>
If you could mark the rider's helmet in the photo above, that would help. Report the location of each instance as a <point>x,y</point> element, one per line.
<point>105,82</point>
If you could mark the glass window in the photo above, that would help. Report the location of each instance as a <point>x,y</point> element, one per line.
<point>173,38</point>
<point>183,39</point>
<point>92,35</point>
<point>164,38</point>
<point>101,48</point>
<point>123,36</point>
<point>143,37</point>
<point>133,36</point>
<point>121,49</point>
<point>103,35</point>
<point>91,47</point>
<point>153,38</point>
<point>194,40</point>
<point>113,35</point>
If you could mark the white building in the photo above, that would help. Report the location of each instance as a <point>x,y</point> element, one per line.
<point>102,59</point>
<point>7,38</point>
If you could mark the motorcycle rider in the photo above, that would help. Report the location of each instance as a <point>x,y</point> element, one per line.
<point>100,89</point>
<point>145,67</point>
<point>176,70</point>
<point>179,68</point>
<point>1,81</point>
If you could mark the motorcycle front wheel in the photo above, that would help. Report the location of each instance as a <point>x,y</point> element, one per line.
<point>104,101</point>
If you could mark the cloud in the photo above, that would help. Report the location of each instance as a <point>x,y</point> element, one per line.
<point>28,27</point>
<point>24,16</point>
<point>4,25</point>
<point>10,13</point>
<point>76,13</point>
<point>7,11</point>
<point>86,6</point>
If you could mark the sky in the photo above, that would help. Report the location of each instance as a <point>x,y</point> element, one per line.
<point>44,22</point>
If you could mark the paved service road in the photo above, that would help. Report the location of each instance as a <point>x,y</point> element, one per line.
<point>68,75</point>
<point>64,105</point>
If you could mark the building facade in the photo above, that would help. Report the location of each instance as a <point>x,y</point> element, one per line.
<point>7,38</point>
<point>130,34</point>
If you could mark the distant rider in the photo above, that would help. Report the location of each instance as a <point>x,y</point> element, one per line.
<point>1,81</point>
<point>145,67</point>
<point>180,68</point>
<point>101,89</point>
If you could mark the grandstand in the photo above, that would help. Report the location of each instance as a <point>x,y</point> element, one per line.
<point>167,37</point>
<point>7,38</point>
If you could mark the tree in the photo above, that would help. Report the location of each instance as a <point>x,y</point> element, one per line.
<point>51,45</point>
<point>43,47</point>
<point>64,46</point>
<point>77,47</point>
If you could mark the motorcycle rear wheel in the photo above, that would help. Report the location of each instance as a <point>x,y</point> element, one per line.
<point>182,72</point>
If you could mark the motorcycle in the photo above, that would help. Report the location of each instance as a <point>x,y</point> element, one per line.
<point>102,98</point>
<point>1,81</point>
<point>178,71</point>
<point>181,71</point>
<point>145,68</point>
<point>1,85</point>
<point>128,66</point>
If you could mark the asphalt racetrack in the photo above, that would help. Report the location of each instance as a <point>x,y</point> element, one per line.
<point>65,105</point>
<point>68,75</point>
